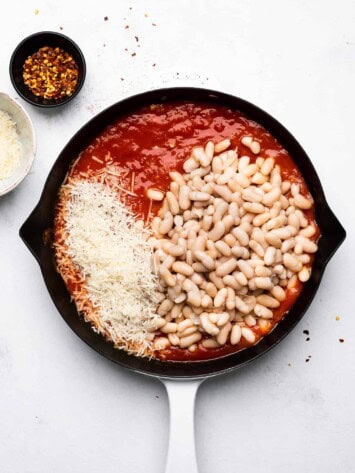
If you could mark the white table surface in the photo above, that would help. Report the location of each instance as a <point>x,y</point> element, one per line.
<point>65,409</point>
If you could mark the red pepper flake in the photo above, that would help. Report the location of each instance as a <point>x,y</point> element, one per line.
<point>51,73</point>
<point>126,27</point>
<point>105,18</point>
<point>341,340</point>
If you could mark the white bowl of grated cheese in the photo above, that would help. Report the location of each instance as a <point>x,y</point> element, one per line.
<point>17,143</point>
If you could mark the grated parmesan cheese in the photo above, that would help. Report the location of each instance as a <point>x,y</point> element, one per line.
<point>109,246</point>
<point>10,146</point>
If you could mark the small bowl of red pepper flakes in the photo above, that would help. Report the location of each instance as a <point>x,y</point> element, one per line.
<point>47,69</point>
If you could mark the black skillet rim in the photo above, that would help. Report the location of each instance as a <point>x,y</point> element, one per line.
<point>42,217</point>
<point>37,101</point>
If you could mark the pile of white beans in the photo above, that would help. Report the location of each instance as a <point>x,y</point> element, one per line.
<point>229,240</point>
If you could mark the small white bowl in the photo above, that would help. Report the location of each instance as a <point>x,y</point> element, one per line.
<point>27,137</point>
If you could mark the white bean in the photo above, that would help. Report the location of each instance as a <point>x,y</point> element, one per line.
<point>230,240</point>
<point>255,147</point>
<point>223,318</point>
<point>161,343</point>
<point>177,177</point>
<point>271,197</point>
<point>220,298</point>
<point>251,194</point>
<point>166,224</point>
<point>211,289</point>
<point>205,259</point>
<point>207,325</point>
<point>184,199</point>
<point>263,283</point>
<point>217,165</point>
<point>304,274</point>
<point>236,334</point>
<point>250,170</point>
<point>199,196</point>
<point>270,255</point>
<point>174,339</point>
<point>183,268</point>
<point>194,298</point>
<point>246,269</point>
<point>267,166</point>
<point>222,146</point>
<point>254,208</point>
<point>278,293</point>
<point>221,209</point>
<point>273,239</point>
<point>190,165</point>
<point>169,327</point>
<point>217,231</point>
<point>241,278</point>
<point>241,180</point>
<point>308,231</point>
<point>223,248</point>
<point>248,334</point>
<point>231,282</point>
<point>241,235</point>
<point>222,337</point>
<point>224,192</point>
<point>262,311</point>
<point>166,276</point>
<point>291,262</point>
<point>165,307</point>
<point>206,301</point>
<point>268,301</point>
<point>308,245</point>
<point>190,340</point>
<point>210,343</point>
<point>209,150</point>
<point>301,202</point>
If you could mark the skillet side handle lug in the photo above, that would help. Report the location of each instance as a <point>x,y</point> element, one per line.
<point>181,452</point>
<point>334,233</point>
<point>31,233</point>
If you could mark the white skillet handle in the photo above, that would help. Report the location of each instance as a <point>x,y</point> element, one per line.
<point>181,452</point>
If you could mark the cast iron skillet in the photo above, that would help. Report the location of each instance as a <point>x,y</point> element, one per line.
<point>36,233</point>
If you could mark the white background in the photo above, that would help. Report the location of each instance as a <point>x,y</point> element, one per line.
<point>63,408</point>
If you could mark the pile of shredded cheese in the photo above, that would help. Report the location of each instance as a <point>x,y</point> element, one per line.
<point>108,245</point>
<point>10,146</point>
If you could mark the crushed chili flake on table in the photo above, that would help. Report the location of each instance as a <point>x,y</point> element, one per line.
<point>51,73</point>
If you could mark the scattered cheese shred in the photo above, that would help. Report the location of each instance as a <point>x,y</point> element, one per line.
<point>10,146</point>
<point>108,246</point>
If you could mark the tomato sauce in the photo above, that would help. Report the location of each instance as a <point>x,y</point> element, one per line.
<point>157,139</point>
